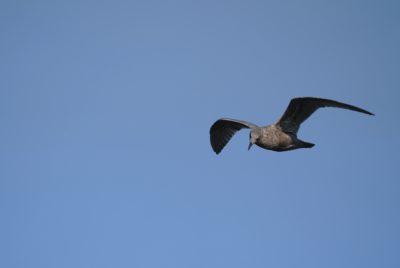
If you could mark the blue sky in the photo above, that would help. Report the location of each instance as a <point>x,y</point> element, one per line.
<point>105,108</point>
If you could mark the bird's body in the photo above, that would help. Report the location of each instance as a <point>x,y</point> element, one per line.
<point>273,138</point>
<point>281,136</point>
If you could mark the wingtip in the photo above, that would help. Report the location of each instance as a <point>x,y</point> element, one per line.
<point>215,150</point>
<point>369,113</point>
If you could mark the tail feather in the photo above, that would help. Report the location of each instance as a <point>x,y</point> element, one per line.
<point>307,144</point>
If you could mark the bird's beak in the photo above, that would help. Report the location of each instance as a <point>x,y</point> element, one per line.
<point>250,144</point>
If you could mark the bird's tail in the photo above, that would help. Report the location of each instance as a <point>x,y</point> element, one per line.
<point>307,144</point>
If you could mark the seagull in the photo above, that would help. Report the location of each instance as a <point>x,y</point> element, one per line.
<point>281,136</point>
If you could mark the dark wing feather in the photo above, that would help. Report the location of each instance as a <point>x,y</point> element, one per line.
<point>300,109</point>
<point>223,130</point>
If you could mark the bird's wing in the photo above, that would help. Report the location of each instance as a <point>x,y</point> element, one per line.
<point>300,109</point>
<point>223,130</point>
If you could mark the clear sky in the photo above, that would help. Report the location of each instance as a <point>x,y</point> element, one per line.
<point>105,108</point>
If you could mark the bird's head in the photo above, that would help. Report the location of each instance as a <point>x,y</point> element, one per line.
<point>254,136</point>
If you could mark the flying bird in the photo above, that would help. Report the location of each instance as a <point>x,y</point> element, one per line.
<point>281,136</point>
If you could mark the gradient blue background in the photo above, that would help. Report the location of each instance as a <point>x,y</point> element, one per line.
<point>105,108</point>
